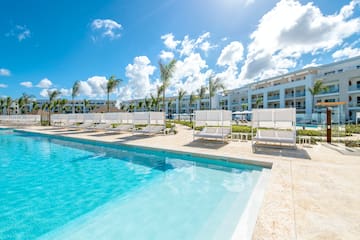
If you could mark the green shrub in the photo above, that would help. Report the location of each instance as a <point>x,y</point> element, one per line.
<point>352,143</point>
<point>316,133</point>
<point>243,129</point>
<point>352,128</point>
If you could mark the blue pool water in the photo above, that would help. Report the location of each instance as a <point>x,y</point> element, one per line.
<point>53,188</point>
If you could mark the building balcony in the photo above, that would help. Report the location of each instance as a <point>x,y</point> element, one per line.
<point>354,105</point>
<point>297,94</point>
<point>330,91</point>
<point>276,97</point>
<point>354,88</point>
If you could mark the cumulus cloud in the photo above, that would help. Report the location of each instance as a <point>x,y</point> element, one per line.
<point>231,54</point>
<point>190,74</point>
<point>3,85</point>
<point>139,84</point>
<point>277,44</point>
<point>26,84</point>
<point>65,92</point>
<point>188,45</point>
<point>20,32</point>
<point>169,41</point>
<point>45,92</point>
<point>164,55</point>
<point>44,83</point>
<point>107,27</point>
<point>93,87</point>
<point>4,72</point>
<point>347,52</point>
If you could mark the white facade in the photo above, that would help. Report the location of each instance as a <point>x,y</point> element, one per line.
<point>288,90</point>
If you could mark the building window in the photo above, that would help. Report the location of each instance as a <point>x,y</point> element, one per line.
<point>340,70</point>
<point>350,83</point>
<point>358,100</point>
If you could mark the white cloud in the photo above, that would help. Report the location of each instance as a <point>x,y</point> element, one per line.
<point>65,92</point>
<point>249,2</point>
<point>188,46</point>
<point>20,32</point>
<point>164,55</point>
<point>347,52</point>
<point>277,44</point>
<point>190,74</point>
<point>169,41</point>
<point>93,87</point>
<point>139,84</point>
<point>108,28</point>
<point>4,72</point>
<point>45,92</point>
<point>231,54</point>
<point>26,84</point>
<point>44,83</point>
<point>3,85</point>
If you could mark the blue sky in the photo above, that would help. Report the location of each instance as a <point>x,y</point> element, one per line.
<point>47,45</point>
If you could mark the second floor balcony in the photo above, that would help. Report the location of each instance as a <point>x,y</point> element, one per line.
<point>330,90</point>
<point>354,88</point>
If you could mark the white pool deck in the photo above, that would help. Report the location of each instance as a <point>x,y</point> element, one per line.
<point>313,192</point>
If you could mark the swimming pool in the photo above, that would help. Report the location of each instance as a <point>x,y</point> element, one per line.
<point>53,188</point>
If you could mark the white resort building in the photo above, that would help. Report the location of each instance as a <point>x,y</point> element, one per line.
<point>342,80</point>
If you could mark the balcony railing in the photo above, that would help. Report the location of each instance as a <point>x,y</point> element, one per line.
<point>276,97</point>
<point>330,90</point>
<point>354,88</point>
<point>297,94</point>
<point>351,104</point>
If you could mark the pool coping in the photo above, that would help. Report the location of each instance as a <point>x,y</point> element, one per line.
<point>247,161</point>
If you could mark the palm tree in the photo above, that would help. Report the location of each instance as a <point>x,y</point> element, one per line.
<point>62,103</point>
<point>2,105</point>
<point>201,94</point>
<point>140,105</point>
<point>86,103</point>
<point>131,107</point>
<point>166,73</point>
<point>258,102</point>
<point>8,104</point>
<point>181,95</point>
<point>244,106</point>
<point>74,93</point>
<point>111,85</point>
<point>148,103</point>
<point>192,100</point>
<point>20,103</point>
<point>52,104</point>
<point>215,84</point>
<point>155,100</point>
<point>35,106</point>
<point>316,89</point>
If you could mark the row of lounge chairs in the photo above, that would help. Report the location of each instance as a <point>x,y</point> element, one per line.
<point>140,122</point>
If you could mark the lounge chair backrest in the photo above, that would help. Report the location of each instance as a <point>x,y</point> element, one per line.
<point>213,118</point>
<point>125,118</point>
<point>282,118</point>
<point>141,117</point>
<point>157,118</point>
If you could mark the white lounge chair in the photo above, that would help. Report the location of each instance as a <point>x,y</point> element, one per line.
<point>282,124</point>
<point>217,124</point>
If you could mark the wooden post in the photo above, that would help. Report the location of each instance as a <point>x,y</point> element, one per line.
<point>328,125</point>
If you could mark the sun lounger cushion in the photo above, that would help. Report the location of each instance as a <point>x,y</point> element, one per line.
<point>275,136</point>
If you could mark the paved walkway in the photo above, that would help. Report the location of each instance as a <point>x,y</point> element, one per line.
<point>313,192</point>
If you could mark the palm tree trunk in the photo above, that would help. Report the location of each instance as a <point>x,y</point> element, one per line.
<point>108,102</point>
<point>73,106</point>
